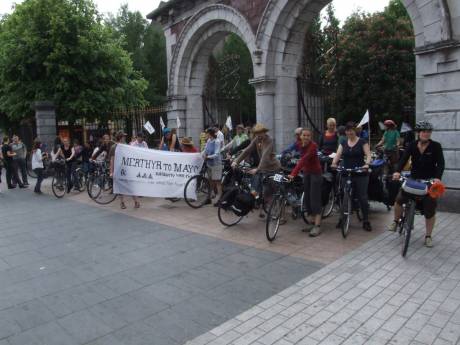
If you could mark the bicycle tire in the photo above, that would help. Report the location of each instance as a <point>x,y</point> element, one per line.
<point>345,214</point>
<point>105,194</point>
<point>303,210</point>
<point>29,169</point>
<point>223,214</point>
<point>89,188</point>
<point>359,214</point>
<point>329,207</point>
<point>59,186</point>
<point>81,179</point>
<point>202,188</point>
<point>272,223</point>
<point>407,227</point>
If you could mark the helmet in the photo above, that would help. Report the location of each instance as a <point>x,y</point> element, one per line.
<point>423,126</point>
<point>389,123</point>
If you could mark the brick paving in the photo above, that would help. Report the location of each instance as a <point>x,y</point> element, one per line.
<point>369,296</point>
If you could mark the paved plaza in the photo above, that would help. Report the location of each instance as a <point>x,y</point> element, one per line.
<point>72,272</point>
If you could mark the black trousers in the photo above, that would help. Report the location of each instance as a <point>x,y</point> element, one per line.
<point>22,169</point>
<point>39,172</point>
<point>12,176</point>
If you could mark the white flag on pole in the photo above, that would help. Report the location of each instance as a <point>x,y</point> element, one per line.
<point>381,126</point>
<point>228,123</point>
<point>178,122</point>
<point>365,119</point>
<point>405,127</point>
<point>149,128</point>
<point>162,124</point>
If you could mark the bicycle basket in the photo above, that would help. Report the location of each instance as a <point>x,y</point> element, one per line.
<point>415,188</point>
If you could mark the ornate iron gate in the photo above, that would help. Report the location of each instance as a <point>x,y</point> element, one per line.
<point>314,104</point>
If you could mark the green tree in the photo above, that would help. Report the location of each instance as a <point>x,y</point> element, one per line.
<point>60,50</point>
<point>376,64</point>
<point>146,44</point>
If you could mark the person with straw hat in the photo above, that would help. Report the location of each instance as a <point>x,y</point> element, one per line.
<point>187,145</point>
<point>263,145</point>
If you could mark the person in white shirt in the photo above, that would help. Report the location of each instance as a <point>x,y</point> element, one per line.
<point>220,136</point>
<point>139,142</point>
<point>37,165</point>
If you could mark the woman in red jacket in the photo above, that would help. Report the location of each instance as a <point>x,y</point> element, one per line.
<point>311,167</point>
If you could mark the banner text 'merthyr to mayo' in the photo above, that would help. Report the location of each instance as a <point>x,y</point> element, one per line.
<point>152,173</point>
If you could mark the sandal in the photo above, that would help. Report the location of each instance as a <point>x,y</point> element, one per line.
<point>123,206</point>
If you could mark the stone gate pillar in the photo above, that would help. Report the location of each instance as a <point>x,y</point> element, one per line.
<point>265,102</point>
<point>439,66</point>
<point>45,118</point>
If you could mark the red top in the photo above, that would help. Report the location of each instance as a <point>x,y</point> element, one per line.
<point>189,149</point>
<point>309,162</point>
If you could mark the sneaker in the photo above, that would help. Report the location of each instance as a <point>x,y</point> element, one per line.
<point>393,226</point>
<point>316,231</point>
<point>428,242</point>
<point>308,228</point>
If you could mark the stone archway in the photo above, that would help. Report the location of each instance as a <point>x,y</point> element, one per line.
<point>274,32</point>
<point>189,61</point>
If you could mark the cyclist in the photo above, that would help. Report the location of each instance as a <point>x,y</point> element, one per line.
<point>390,142</point>
<point>263,145</point>
<point>427,163</point>
<point>139,141</point>
<point>329,140</point>
<point>237,140</point>
<point>313,177</point>
<point>68,152</point>
<point>120,138</point>
<point>356,153</point>
<point>295,148</point>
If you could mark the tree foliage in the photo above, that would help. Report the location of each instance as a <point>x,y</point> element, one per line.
<point>146,44</point>
<point>60,50</point>
<point>377,64</point>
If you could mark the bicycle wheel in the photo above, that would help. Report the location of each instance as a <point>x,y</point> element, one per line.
<point>303,210</point>
<point>346,214</point>
<point>59,186</point>
<point>29,169</point>
<point>199,186</point>
<point>227,217</point>
<point>329,207</point>
<point>101,190</point>
<point>275,212</point>
<point>407,227</point>
<point>80,180</point>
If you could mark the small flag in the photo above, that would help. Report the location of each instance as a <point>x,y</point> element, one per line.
<point>149,128</point>
<point>381,126</point>
<point>162,124</point>
<point>405,127</point>
<point>365,119</point>
<point>228,123</point>
<point>178,122</point>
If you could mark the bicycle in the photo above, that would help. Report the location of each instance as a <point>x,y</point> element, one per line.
<point>415,190</point>
<point>59,181</point>
<point>100,185</point>
<point>288,193</point>
<point>347,199</point>
<point>197,190</point>
<point>240,183</point>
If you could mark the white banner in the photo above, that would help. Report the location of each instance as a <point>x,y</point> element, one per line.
<point>153,173</point>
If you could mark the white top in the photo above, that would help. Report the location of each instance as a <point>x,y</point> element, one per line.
<point>101,157</point>
<point>37,160</point>
<point>142,144</point>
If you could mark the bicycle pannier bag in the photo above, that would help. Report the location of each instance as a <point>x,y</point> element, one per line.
<point>228,198</point>
<point>243,204</point>
<point>415,188</point>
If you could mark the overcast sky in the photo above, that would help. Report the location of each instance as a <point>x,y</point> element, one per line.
<point>343,7</point>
